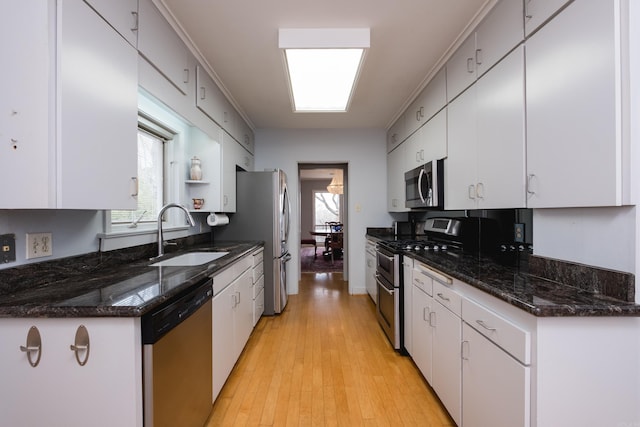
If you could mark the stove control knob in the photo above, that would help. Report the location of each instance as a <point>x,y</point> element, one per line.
<point>444,247</point>
<point>417,247</point>
<point>521,248</point>
<point>503,248</point>
<point>436,247</point>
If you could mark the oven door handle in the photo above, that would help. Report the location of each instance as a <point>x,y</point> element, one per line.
<point>382,285</point>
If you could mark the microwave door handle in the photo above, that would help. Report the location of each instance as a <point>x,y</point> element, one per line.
<point>422,173</point>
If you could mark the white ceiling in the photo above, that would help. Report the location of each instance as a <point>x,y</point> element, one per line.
<point>238,39</point>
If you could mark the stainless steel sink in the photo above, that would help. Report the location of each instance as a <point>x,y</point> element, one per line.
<point>190,259</point>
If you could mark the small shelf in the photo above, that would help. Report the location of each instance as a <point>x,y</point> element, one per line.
<point>191,181</point>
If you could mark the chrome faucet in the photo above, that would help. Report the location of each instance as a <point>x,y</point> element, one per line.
<point>161,242</point>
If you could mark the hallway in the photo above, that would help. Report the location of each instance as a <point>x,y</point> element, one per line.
<point>325,361</point>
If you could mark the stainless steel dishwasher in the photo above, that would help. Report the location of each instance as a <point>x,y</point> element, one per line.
<point>176,360</point>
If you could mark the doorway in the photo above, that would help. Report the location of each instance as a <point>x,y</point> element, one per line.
<point>323,217</point>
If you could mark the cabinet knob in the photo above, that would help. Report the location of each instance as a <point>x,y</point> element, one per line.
<point>33,347</point>
<point>472,192</point>
<point>136,21</point>
<point>478,56</point>
<point>470,67</point>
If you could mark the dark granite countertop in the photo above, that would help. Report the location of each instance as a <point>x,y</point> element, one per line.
<point>510,278</point>
<point>105,284</point>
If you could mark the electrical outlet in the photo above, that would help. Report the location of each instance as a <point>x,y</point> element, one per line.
<point>7,248</point>
<point>39,245</point>
<point>518,233</point>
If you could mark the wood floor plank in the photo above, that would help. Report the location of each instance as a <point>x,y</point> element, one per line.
<point>325,362</point>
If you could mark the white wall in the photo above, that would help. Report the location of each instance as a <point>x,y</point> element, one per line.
<point>364,150</point>
<point>603,237</point>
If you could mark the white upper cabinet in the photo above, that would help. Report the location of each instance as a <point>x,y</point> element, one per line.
<point>162,47</point>
<point>536,12</point>
<point>427,143</point>
<point>499,32</point>
<point>575,109</point>
<point>396,134</point>
<point>97,116</point>
<point>431,100</point>
<point>26,104</point>
<point>395,180</point>
<point>122,15</point>
<point>485,167</point>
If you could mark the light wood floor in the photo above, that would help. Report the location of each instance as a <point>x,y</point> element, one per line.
<point>325,362</point>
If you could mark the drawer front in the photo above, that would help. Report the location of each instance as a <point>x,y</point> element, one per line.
<point>447,297</point>
<point>258,287</point>
<point>258,258</point>
<point>258,271</point>
<point>420,279</point>
<point>510,337</point>
<point>258,307</point>
<point>224,278</point>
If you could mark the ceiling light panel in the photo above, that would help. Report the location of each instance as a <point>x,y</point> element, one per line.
<point>323,66</point>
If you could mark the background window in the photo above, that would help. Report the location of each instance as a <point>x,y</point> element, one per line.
<point>326,207</point>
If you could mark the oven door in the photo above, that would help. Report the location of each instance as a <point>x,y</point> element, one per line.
<point>388,310</point>
<point>386,265</point>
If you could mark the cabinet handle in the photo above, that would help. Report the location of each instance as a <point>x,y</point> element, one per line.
<point>418,115</point>
<point>527,15</point>
<point>34,346</point>
<point>432,319</point>
<point>464,354</point>
<point>81,346</point>
<point>472,192</point>
<point>233,300</point>
<point>134,186</point>
<point>136,21</point>
<point>529,184</point>
<point>226,117</point>
<point>470,67</point>
<point>186,75</point>
<point>202,92</point>
<point>424,314</point>
<point>484,325</point>
<point>478,56</point>
<point>421,154</point>
<point>225,200</point>
<point>417,156</point>
<point>238,293</point>
<point>421,112</point>
<point>442,297</point>
<point>480,190</point>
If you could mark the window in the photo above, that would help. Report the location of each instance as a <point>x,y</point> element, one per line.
<point>326,207</point>
<point>150,181</point>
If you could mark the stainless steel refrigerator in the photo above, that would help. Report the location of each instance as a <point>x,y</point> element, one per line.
<point>263,213</point>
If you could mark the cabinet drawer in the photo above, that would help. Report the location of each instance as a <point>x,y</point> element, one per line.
<point>258,307</point>
<point>231,273</point>
<point>258,287</point>
<point>447,297</point>
<point>258,272</point>
<point>510,337</point>
<point>421,279</point>
<point>258,258</point>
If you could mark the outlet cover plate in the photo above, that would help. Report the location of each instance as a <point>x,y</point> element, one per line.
<point>7,248</point>
<point>39,245</point>
<point>518,233</point>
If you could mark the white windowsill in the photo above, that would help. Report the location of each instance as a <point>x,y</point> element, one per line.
<point>129,237</point>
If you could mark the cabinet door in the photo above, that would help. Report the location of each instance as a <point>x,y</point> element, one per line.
<point>159,43</point>
<point>501,135</point>
<point>121,15</point>
<point>447,367</point>
<point>498,33</point>
<point>97,113</point>
<point>229,155</point>
<point>243,310</point>
<point>461,163</point>
<point>395,180</point>
<point>395,135</point>
<point>60,392</point>
<point>573,90</point>
<point>407,302</point>
<point>223,340</point>
<point>26,105</point>
<point>433,138</point>
<point>536,12</point>
<point>495,387</point>
<point>422,338</point>
<point>461,68</point>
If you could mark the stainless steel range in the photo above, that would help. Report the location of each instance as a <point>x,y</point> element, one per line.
<point>446,235</point>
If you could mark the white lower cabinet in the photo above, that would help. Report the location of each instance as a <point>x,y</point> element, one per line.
<point>258,285</point>
<point>421,326</point>
<point>447,334</point>
<point>495,386</point>
<point>232,318</point>
<point>59,391</point>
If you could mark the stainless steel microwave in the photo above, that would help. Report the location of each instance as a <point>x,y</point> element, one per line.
<point>424,186</point>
